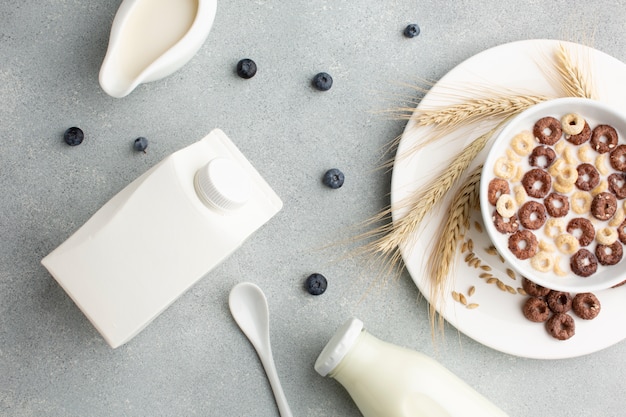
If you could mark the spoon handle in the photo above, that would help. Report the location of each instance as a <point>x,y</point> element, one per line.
<point>270,369</point>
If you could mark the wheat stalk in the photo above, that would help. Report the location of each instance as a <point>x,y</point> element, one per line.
<point>574,81</point>
<point>475,110</point>
<point>447,240</point>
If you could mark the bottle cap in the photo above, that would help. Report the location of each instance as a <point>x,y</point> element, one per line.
<point>336,349</point>
<point>223,184</point>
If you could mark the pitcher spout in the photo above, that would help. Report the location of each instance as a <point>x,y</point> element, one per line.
<point>151,39</point>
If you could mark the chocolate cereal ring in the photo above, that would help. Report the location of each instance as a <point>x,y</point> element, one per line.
<point>583,263</point>
<point>561,326</point>
<point>621,232</point>
<point>617,158</point>
<point>532,215</point>
<point>609,254</point>
<point>536,309</point>
<point>537,183</point>
<point>523,244</point>
<point>586,305</point>
<point>580,138</point>
<point>533,289</point>
<point>523,143</point>
<point>547,130</point>
<point>604,206</point>
<point>557,205</point>
<point>603,138</point>
<point>542,156</point>
<point>617,185</point>
<point>588,177</point>
<point>505,225</point>
<point>572,124</point>
<point>582,229</point>
<point>497,187</point>
<point>559,301</point>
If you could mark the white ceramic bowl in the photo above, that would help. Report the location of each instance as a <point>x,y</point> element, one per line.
<point>595,113</point>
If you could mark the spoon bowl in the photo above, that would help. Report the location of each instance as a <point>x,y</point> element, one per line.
<point>248,306</point>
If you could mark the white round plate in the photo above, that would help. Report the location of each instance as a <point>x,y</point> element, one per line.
<point>498,321</point>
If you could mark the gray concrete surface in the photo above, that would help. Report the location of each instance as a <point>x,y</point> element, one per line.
<point>193,360</point>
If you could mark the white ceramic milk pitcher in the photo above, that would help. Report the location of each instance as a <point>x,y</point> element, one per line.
<point>150,39</point>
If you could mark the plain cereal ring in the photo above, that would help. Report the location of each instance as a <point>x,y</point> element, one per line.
<point>523,143</point>
<point>542,156</point>
<point>603,138</point>
<point>609,254</point>
<point>586,305</point>
<point>536,309</point>
<point>561,326</point>
<point>582,229</point>
<point>584,153</point>
<point>545,246</point>
<point>557,205</point>
<point>520,194</point>
<point>601,164</point>
<point>554,227</point>
<point>497,187</point>
<point>570,156</point>
<point>588,177</point>
<point>572,124</point>
<point>519,173</point>
<point>534,290</point>
<point>617,158</point>
<point>618,218</point>
<point>562,188</point>
<point>504,168</point>
<point>580,202</point>
<point>617,185</point>
<point>567,243</point>
<point>537,183</point>
<point>523,244</point>
<point>557,267</point>
<point>532,215</point>
<point>556,166</point>
<point>560,147</point>
<point>559,301</point>
<point>602,187</point>
<point>506,206</point>
<point>580,138</point>
<point>603,206</point>
<point>583,263</point>
<point>505,225</point>
<point>547,130</point>
<point>542,262</point>
<point>607,236</point>
<point>567,175</point>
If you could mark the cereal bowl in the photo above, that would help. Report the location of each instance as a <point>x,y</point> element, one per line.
<point>553,194</point>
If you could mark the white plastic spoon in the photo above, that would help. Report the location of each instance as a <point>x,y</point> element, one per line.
<point>248,306</point>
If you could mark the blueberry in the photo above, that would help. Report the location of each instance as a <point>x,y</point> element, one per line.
<point>412,30</point>
<point>333,178</point>
<point>316,284</point>
<point>73,136</point>
<point>246,68</point>
<point>140,144</point>
<point>322,81</point>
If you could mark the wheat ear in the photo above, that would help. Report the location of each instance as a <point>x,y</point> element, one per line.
<point>451,232</point>
<point>574,81</point>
